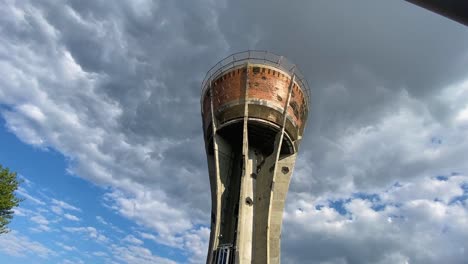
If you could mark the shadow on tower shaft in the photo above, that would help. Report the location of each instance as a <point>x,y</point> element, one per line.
<point>254,110</point>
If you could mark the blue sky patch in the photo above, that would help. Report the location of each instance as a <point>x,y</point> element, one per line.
<point>70,220</point>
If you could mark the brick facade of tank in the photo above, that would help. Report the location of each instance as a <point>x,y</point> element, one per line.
<point>264,84</point>
<point>272,86</point>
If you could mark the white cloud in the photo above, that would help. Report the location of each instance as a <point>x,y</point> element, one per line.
<point>100,254</point>
<point>22,192</point>
<point>19,212</point>
<point>60,207</point>
<point>75,261</point>
<point>66,247</point>
<point>101,220</point>
<point>417,228</point>
<point>91,233</point>
<point>32,112</point>
<point>173,227</point>
<point>65,206</point>
<point>153,213</point>
<point>56,209</point>
<point>71,217</point>
<point>42,223</point>
<point>137,255</point>
<point>40,228</point>
<point>195,241</point>
<point>39,219</point>
<point>15,244</point>
<point>396,159</point>
<point>427,189</point>
<point>132,240</point>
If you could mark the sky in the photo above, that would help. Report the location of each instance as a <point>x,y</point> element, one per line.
<point>100,117</point>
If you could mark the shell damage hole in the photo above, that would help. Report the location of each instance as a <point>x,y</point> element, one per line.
<point>295,107</point>
<point>249,201</point>
<point>285,170</point>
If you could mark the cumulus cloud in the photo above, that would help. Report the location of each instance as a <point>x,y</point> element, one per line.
<point>39,219</point>
<point>101,220</point>
<point>99,254</point>
<point>115,89</point>
<point>64,206</point>
<point>15,244</point>
<point>91,102</point>
<point>71,217</point>
<point>22,192</point>
<point>42,223</point>
<point>137,254</point>
<point>403,223</point>
<point>60,208</point>
<point>66,247</point>
<point>76,261</point>
<point>132,240</point>
<point>151,212</point>
<point>89,232</point>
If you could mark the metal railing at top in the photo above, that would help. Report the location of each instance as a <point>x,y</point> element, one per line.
<point>256,57</point>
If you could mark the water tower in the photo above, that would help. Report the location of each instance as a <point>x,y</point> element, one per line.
<point>254,110</point>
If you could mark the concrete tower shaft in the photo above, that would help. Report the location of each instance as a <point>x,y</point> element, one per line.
<point>254,110</point>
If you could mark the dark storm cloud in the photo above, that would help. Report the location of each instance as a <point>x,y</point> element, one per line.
<point>360,45</point>
<point>154,58</point>
<point>359,58</point>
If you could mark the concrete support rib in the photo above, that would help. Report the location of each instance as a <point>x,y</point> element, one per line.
<point>214,181</point>
<point>274,230</point>
<point>245,216</point>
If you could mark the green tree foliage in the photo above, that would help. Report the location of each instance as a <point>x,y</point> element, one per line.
<point>8,200</point>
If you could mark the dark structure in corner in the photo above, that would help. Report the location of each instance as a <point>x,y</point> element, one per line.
<point>254,110</point>
<point>453,9</point>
